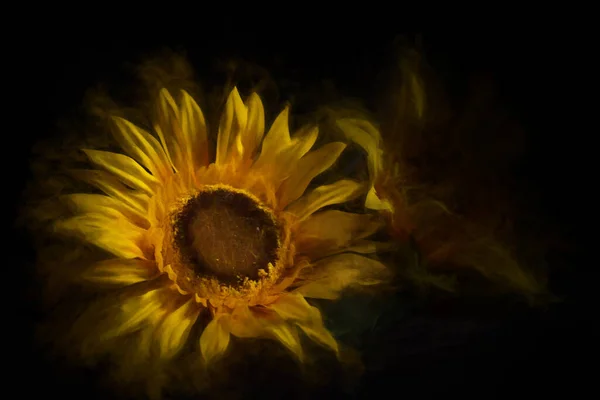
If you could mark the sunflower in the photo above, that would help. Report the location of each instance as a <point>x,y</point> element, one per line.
<point>442,240</point>
<point>234,243</point>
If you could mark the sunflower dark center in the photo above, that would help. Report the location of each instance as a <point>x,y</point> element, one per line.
<point>227,235</point>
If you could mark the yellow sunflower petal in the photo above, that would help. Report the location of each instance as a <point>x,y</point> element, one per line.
<point>244,324</point>
<point>301,143</point>
<point>175,328</point>
<point>291,276</point>
<point>293,306</point>
<point>137,311</point>
<point>367,136</point>
<point>98,203</point>
<point>339,192</point>
<point>110,231</point>
<point>284,159</point>
<point>277,138</point>
<point>215,338</point>
<point>233,124</point>
<point>332,229</point>
<point>125,168</point>
<point>320,334</point>
<point>374,202</point>
<point>111,186</point>
<point>286,334</point>
<point>120,272</point>
<point>166,126</point>
<point>193,139</point>
<point>142,147</point>
<point>331,275</point>
<point>306,169</point>
<point>255,127</point>
<point>303,140</point>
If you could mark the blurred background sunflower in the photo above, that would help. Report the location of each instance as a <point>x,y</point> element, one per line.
<point>405,340</point>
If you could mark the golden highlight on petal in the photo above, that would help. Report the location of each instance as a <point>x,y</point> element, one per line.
<point>175,328</point>
<point>278,167</point>
<point>367,136</point>
<point>294,307</point>
<point>306,169</point>
<point>112,187</point>
<point>193,139</point>
<point>277,138</point>
<point>137,311</point>
<point>330,276</point>
<point>85,203</point>
<point>233,124</point>
<point>141,146</point>
<point>121,272</point>
<point>329,230</point>
<point>167,126</point>
<point>110,231</point>
<point>215,338</point>
<point>255,127</point>
<point>288,336</point>
<point>336,193</point>
<point>125,168</point>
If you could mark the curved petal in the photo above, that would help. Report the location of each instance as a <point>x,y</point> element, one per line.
<point>255,127</point>
<point>278,137</point>
<point>330,276</point>
<point>284,159</point>
<point>111,186</point>
<point>293,306</point>
<point>97,203</point>
<point>110,231</point>
<point>377,203</point>
<point>215,338</point>
<point>246,323</point>
<point>320,334</point>
<point>332,229</point>
<point>306,169</point>
<point>193,136</point>
<point>367,136</point>
<point>339,192</point>
<point>142,147</point>
<point>182,131</point>
<point>232,125</point>
<point>166,126</point>
<point>120,272</point>
<point>302,141</point>
<point>125,168</point>
<point>287,335</point>
<point>136,311</point>
<point>175,328</point>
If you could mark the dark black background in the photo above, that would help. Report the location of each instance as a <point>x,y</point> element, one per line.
<point>458,350</point>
